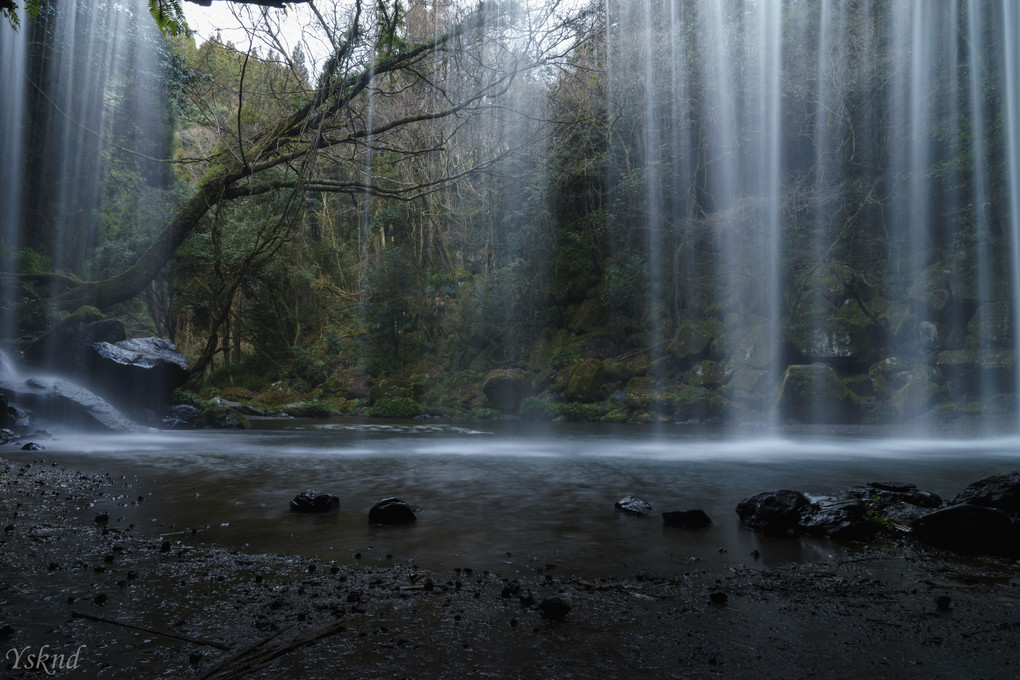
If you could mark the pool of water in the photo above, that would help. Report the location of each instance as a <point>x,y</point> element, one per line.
<point>504,496</point>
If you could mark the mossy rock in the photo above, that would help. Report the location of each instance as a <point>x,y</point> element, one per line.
<point>977,372</point>
<point>748,380</point>
<point>751,347</point>
<point>705,373</point>
<point>708,408</point>
<point>932,292</point>
<point>315,408</point>
<point>881,374</point>
<point>616,371</point>
<point>389,389</point>
<point>586,381</point>
<point>225,417</point>
<point>618,415</point>
<point>505,387</point>
<point>990,327</point>
<point>638,385</point>
<point>917,396</point>
<point>813,393</point>
<point>693,338</point>
<point>541,355</point>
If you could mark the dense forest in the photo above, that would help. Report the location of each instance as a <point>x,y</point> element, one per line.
<point>677,210</point>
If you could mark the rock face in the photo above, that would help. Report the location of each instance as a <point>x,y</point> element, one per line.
<point>139,373</point>
<point>633,506</point>
<point>692,519</point>
<point>314,501</point>
<point>391,511</point>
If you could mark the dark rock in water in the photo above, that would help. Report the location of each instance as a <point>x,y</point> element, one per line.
<point>139,373</point>
<point>391,511</point>
<point>32,446</point>
<point>896,502</point>
<point>898,487</point>
<point>183,417</point>
<point>554,608</point>
<point>692,519</point>
<point>633,506</point>
<point>842,519</point>
<point>314,501</point>
<point>966,528</point>
<point>774,512</point>
<point>3,413</point>
<point>6,436</point>
<point>998,491</point>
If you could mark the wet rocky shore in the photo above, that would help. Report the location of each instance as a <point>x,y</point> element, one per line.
<point>84,595</point>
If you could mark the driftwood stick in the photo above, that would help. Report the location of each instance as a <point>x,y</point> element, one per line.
<point>175,636</point>
<point>242,665</point>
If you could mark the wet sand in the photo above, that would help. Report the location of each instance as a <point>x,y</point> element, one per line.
<point>102,599</point>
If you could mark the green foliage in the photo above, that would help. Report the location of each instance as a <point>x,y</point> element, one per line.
<point>9,9</point>
<point>534,408</point>
<point>395,407</point>
<point>169,16</point>
<point>316,408</point>
<point>579,412</point>
<point>182,396</point>
<point>31,262</point>
<point>481,413</point>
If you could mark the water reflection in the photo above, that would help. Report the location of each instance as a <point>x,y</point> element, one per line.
<point>507,497</point>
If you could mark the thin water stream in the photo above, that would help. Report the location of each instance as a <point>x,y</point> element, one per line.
<point>503,496</point>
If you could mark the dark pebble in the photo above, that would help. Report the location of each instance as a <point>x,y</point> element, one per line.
<point>942,602</point>
<point>554,608</point>
<point>718,597</point>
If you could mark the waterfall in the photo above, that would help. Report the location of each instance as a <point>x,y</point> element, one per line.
<point>83,134</point>
<point>830,184</point>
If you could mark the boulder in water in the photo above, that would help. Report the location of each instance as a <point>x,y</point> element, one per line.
<point>835,518</point>
<point>139,373</point>
<point>314,501</point>
<point>183,417</point>
<point>967,528</point>
<point>774,512</point>
<point>391,511</point>
<point>692,519</point>
<point>632,505</point>
<point>998,491</point>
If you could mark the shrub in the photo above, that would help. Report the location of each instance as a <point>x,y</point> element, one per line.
<point>577,411</point>
<point>533,408</point>
<point>395,407</point>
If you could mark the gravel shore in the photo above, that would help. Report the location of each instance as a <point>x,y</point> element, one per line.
<point>83,596</point>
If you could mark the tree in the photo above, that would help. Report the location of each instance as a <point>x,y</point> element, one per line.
<point>341,118</point>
